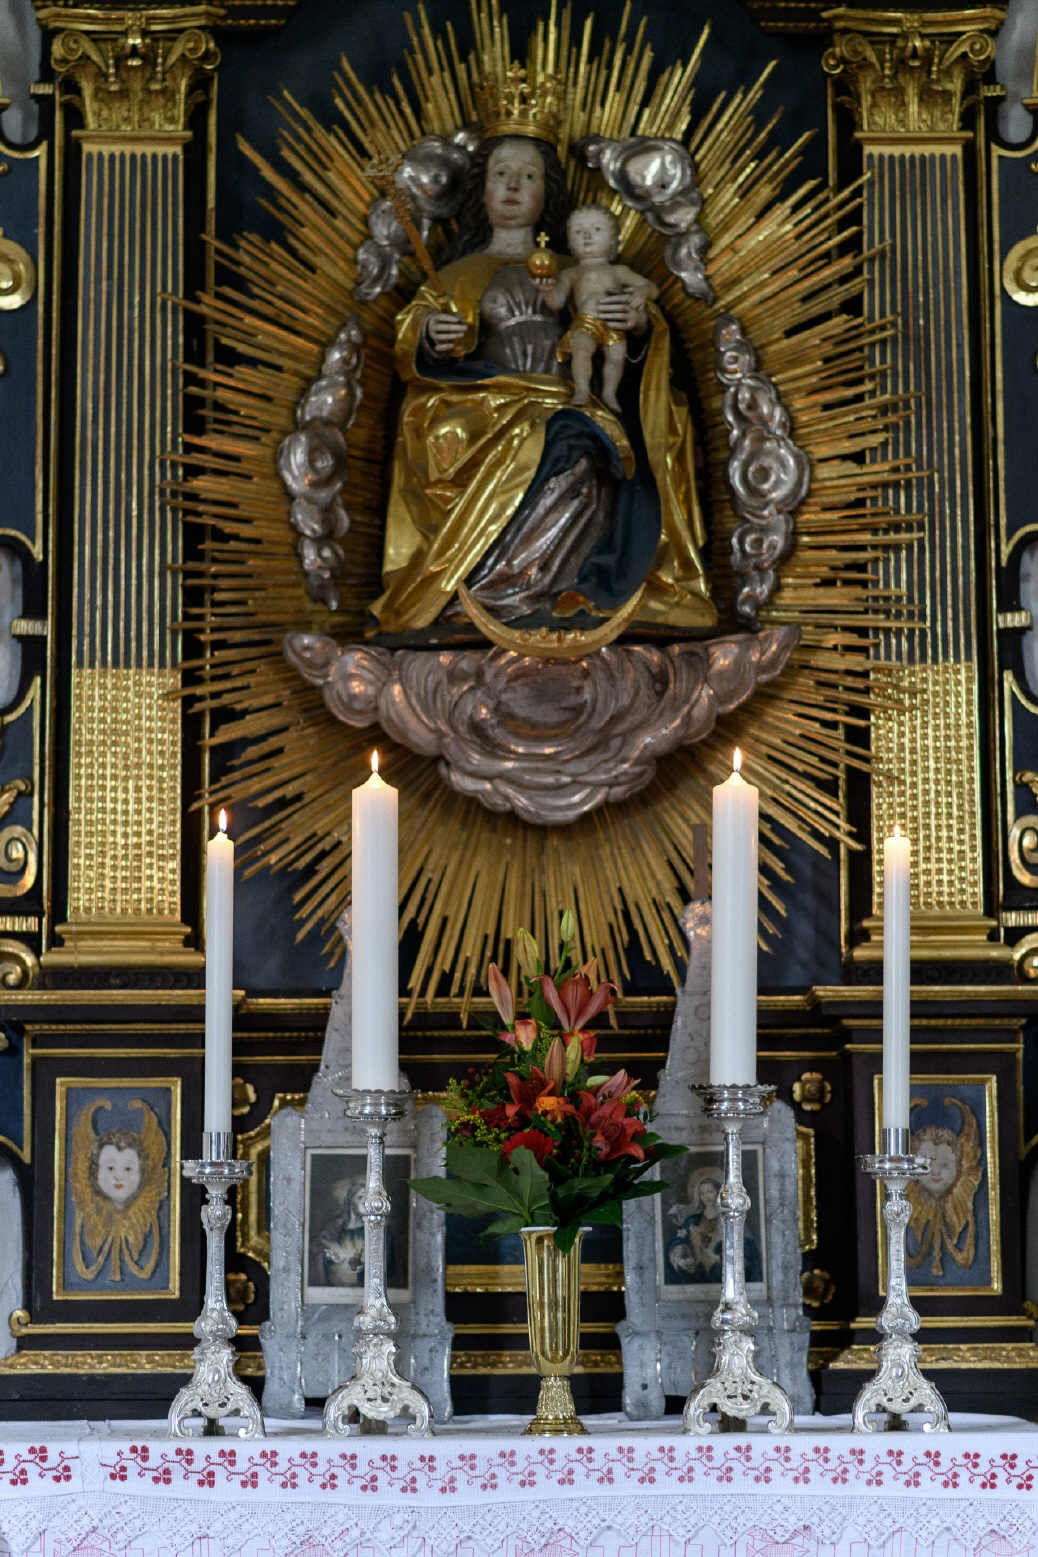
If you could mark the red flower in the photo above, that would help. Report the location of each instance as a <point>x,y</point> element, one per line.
<point>524,1093</point>
<point>536,1096</point>
<point>495,1117</point>
<point>612,1133</point>
<point>540,1144</point>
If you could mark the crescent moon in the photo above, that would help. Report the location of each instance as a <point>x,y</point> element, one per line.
<point>542,643</point>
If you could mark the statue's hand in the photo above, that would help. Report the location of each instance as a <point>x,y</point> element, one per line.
<point>623,310</point>
<point>443,331</point>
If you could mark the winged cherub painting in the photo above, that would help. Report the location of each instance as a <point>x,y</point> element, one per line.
<point>943,1231</point>
<point>118,1180</point>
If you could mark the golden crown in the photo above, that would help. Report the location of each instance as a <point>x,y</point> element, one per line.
<point>508,103</point>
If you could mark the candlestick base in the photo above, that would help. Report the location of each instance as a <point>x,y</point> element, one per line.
<point>898,1386</point>
<point>735,1388</point>
<point>215,1392</point>
<point>376,1393</point>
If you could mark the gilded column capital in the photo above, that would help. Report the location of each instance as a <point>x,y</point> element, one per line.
<point>907,72</point>
<point>137,71</point>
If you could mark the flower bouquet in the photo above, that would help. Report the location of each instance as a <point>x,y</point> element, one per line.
<point>546,1143</point>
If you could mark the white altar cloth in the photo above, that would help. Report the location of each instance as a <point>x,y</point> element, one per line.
<point>125,1490</point>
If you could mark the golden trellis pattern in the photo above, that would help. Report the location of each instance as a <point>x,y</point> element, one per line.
<point>785,258</point>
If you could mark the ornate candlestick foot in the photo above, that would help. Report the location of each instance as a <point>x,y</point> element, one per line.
<point>376,1393</point>
<point>215,1391</point>
<point>735,1388</point>
<point>898,1386</point>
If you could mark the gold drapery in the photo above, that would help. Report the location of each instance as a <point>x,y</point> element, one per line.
<point>467,452</point>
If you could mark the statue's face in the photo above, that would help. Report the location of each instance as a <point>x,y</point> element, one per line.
<point>514,190</point>
<point>590,234</point>
<point>118,1174</point>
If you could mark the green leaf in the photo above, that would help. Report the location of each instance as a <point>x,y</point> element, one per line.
<point>566,1235</point>
<point>568,1198</point>
<point>611,1212</point>
<point>640,1190</point>
<point>501,1226</point>
<point>476,1164</point>
<point>667,1149</point>
<point>532,1183</point>
<point>465,1199</point>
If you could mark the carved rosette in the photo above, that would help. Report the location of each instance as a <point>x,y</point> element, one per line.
<point>136,72</point>
<point>909,72</point>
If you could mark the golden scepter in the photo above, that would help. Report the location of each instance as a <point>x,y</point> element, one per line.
<point>382,174</point>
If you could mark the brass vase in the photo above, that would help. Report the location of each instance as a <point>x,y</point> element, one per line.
<point>553,1316</point>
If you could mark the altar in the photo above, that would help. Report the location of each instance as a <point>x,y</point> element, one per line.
<point>478,1486</point>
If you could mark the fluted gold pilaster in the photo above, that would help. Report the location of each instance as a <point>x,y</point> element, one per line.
<point>134,77</point>
<point>907,77</point>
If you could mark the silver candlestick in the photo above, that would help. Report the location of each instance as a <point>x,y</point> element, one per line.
<point>735,1388</point>
<point>376,1393</point>
<point>898,1385</point>
<point>215,1391</point>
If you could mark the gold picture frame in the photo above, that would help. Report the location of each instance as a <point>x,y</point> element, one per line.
<point>987,1157</point>
<point>117,1245</point>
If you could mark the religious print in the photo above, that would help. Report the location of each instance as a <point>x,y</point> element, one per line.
<point>690,1229</point>
<point>117,1205</point>
<point>952,1240</point>
<point>333,1228</point>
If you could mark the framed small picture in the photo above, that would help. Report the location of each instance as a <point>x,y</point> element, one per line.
<point>333,1230</point>
<point>689,1226</point>
<point>953,1241</point>
<point>117,1201</point>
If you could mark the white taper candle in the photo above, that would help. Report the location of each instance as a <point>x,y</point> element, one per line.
<point>733,985</point>
<point>897,875</point>
<point>219,977</point>
<point>376,1054</point>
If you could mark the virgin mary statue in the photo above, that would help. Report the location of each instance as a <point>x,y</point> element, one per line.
<point>544,511</point>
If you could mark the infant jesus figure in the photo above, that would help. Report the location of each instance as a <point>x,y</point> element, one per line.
<point>593,233</point>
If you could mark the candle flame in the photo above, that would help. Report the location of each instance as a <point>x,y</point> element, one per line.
<point>374,762</point>
<point>897,831</point>
<point>223,821</point>
<point>737,761</point>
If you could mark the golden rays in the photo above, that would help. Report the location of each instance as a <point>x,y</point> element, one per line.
<point>785,259</point>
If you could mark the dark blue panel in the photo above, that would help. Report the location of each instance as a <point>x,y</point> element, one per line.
<point>12,1082</point>
<point>807,949</point>
<point>19,219</point>
<point>1018,218</point>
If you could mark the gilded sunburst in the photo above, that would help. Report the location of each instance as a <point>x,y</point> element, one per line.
<point>785,258</point>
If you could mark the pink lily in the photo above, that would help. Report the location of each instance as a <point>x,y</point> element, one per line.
<point>573,1003</point>
<point>501,994</point>
<point>617,1086</point>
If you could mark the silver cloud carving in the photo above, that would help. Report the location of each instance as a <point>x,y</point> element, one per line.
<point>549,740</point>
<point>432,174</point>
<point>313,463</point>
<point>768,476</point>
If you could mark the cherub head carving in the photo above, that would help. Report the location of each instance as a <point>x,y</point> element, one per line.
<point>943,1216</point>
<point>118,1180</point>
